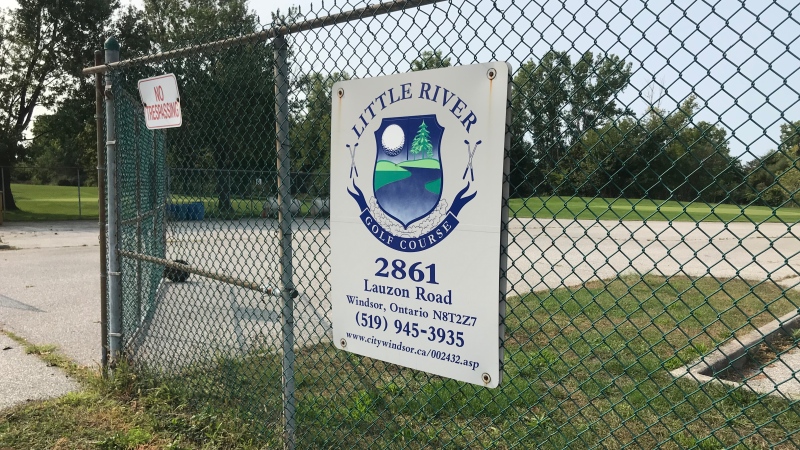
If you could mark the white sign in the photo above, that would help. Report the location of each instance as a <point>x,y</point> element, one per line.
<point>161,101</point>
<point>417,172</point>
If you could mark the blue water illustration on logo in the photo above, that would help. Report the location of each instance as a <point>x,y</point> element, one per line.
<point>408,167</point>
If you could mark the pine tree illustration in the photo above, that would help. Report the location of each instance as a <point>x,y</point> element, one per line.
<point>422,142</point>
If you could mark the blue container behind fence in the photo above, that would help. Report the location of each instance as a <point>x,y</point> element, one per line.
<point>174,212</point>
<point>186,211</point>
<point>195,211</point>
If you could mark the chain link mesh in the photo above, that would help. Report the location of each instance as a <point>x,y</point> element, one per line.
<point>654,187</point>
<point>141,187</point>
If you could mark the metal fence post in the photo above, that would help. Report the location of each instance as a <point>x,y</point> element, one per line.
<point>138,218</point>
<point>2,191</point>
<point>101,213</point>
<point>285,236</point>
<point>80,212</point>
<point>114,291</point>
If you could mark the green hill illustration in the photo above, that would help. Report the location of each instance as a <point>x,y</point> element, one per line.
<point>435,186</point>
<point>387,172</point>
<point>427,163</point>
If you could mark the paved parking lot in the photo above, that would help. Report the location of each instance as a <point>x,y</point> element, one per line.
<point>49,294</point>
<point>50,286</point>
<point>49,281</point>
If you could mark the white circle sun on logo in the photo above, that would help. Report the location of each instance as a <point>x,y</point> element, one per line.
<point>393,139</point>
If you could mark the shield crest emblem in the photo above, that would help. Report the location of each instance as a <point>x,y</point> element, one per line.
<point>408,167</point>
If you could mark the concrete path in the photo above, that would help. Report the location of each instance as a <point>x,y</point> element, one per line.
<point>25,377</point>
<point>551,253</point>
<point>50,286</point>
<point>781,376</point>
<point>49,294</point>
<point>542,253</point>
<point>733,363</point>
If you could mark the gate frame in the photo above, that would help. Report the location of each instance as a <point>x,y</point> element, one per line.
<point>111,323</point>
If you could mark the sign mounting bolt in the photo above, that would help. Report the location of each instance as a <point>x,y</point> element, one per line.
<point>340,92</point>
<point>491,74</point>
<point>485,377</point>
<point>343,342</point>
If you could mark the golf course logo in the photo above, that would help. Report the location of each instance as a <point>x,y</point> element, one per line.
<point>407,211</point>
<point>408,172</point>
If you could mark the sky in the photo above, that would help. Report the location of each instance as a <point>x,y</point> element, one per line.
<point>737,57</point>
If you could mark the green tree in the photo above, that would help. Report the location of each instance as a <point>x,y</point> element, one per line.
<point>66,137</point>
<point>227,96</point>
<point>310,132</point>
<point>430,60</point>
<point>661,156</point>
<point>790,139</point>
<point>133,32</point>
<point>774,178</point>
<point>543,93</point>
<point>608,149</point>
<point>421,145</point>
<point>524,175</point>
<point>43,46</point>
<point>556,102</point>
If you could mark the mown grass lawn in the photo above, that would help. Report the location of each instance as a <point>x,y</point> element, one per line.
<point>641,209</point>
<point>61,203</point>
<point>585,366</point>
<point>41,202</point>
<point>572,208</point>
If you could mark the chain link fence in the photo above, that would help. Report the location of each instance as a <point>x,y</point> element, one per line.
<point>651,245</point>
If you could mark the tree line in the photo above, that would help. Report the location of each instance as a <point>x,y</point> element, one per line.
<point>571,136</point>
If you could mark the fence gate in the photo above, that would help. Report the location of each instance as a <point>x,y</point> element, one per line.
<point>652,247</point>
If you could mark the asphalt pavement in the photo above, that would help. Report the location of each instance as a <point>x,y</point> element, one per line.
<point>25,377</point>
<point>49,277</point>
<point>49,295</point>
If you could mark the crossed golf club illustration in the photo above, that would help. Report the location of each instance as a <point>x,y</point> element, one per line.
<point>352,159</point>
<point>469,164</point>
<point>469,168</point>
